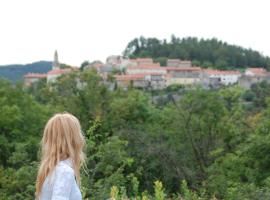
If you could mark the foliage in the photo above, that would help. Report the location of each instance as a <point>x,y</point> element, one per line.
<point>84,64</point>
<point>203,144</point>
<point>21,123</point>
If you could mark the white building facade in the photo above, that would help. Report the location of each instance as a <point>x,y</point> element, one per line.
<point>224,77</point>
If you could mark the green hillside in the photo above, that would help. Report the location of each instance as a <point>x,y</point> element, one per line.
<point>203,52</point>
<point>15,72</point>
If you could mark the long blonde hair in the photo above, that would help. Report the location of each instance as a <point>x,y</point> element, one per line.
<point>62,139</point>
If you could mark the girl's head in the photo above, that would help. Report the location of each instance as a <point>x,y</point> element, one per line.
<point>62,139</point>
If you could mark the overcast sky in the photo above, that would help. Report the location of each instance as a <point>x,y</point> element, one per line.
<point>93,29</point>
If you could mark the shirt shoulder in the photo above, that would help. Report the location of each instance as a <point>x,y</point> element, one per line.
<point>64,167</point>
<point>59,184</point>
<point>64,181</point>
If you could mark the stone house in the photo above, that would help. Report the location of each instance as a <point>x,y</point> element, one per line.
<point>178,63</point>
<point>253,76</point>
<point>225,77</point>
<point>183,75</point>
<point>31,78</point>
<point>146,69</point>
<point>146,80</point>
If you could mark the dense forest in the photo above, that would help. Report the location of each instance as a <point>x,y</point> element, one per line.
<point>206,145</point>
<point>203,52</point>
<point>15,72</point>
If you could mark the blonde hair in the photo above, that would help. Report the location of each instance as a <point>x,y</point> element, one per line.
<point>62,139</point>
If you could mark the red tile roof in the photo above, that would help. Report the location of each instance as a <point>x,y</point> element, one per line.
<point>59,71</point>
<point>35,75</point>
<point>147,67</point>
<point>183,68</point>
<point>257,71</point>
<point>129,77</point>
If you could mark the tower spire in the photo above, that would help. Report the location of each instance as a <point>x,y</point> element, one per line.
<point>56,64</point>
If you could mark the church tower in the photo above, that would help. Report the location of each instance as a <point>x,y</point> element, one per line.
<point>56,64</point>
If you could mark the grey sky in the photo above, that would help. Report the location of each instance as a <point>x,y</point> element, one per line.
<point>93,29</point>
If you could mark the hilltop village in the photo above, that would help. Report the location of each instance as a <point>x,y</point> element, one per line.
<point>144,73</point>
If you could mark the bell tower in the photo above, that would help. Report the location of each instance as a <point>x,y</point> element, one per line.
<point>55,64</point>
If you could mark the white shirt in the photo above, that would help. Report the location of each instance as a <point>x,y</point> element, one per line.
<point>61,185</point>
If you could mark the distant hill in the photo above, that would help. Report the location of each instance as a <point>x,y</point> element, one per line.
<point>203,52</point>
<point>15,72</point>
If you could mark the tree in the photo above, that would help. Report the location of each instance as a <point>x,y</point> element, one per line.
<point>84,64</point>
<point>105,172</point>
<point>221,63</point>
<point>162,61</point>
<point>208,51</point>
